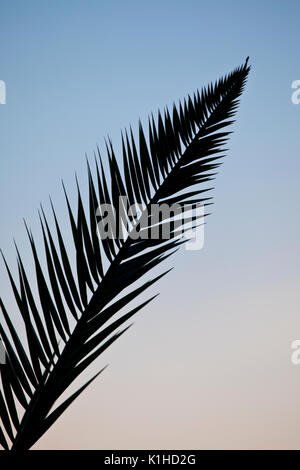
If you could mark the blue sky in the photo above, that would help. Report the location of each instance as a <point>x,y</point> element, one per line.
<point>76,71</point>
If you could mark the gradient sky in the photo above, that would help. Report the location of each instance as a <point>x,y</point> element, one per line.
<point>207,364</point>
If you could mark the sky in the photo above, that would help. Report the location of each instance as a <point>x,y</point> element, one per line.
<point>208,363</point>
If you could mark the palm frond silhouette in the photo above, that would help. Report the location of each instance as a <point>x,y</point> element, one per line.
<point>74,317</point>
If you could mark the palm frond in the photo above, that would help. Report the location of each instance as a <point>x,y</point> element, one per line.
<point>75,317</point>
